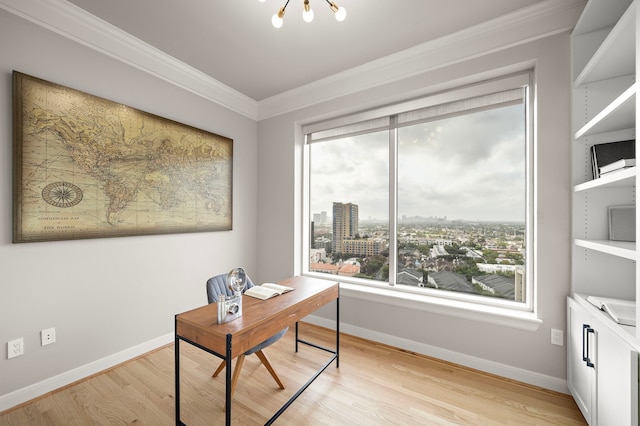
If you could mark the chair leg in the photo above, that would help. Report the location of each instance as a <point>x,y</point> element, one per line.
<point>220,368</point>
<point>266,363</point>
<point>236,372</point>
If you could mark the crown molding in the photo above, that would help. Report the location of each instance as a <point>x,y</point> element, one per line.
<point>76,24</point>
<point>542,20</point>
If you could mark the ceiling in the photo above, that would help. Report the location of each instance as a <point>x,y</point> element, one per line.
<point>234,42</point>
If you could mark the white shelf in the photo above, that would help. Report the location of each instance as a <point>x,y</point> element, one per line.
<point>612,59</point>
<point>619,114</point>
<point>622,249</point>
<point>626,177</point>
<point>599,15</point>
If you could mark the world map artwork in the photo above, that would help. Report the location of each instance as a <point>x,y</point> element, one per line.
<point>86,167</point>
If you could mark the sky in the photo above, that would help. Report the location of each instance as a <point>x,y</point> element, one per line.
<point>469,167</point>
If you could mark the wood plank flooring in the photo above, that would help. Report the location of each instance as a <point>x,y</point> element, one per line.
<point>375,385</point>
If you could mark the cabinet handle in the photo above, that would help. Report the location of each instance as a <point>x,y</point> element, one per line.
<point>585,346</point>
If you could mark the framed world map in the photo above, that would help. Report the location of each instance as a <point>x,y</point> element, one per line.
<point>87,167</point>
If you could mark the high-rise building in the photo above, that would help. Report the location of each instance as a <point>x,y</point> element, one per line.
<point>320,218</point>
<point>345,224</point>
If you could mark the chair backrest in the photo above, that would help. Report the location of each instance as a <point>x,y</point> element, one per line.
<point>217,286</point>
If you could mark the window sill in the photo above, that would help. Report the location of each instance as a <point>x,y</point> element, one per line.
<point>522,320</point>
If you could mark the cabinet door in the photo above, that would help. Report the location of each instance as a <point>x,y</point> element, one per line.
<point>580,377</point>
<point>617,380</point>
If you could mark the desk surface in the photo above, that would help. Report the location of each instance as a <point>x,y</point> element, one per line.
<point>260,319</point>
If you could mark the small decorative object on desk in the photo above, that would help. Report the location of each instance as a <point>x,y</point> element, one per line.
<point>230,308</point>
<point>267,290</point>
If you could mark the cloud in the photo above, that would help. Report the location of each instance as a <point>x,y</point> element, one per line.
<point>465,167</point>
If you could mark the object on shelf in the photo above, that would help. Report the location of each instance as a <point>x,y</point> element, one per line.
<point>618,165</point>
<point>622,223</point>
<point>603,154</point>
<point>621,311</point>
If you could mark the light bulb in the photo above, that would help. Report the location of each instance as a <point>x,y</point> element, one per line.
<point>307,15</point>
<point>341,14</point>
<point>277,21</point>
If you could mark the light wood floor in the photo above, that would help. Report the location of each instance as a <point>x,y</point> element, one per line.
<point>375,385</point>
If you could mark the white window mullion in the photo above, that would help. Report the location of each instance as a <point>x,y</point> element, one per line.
<point>393,201</point>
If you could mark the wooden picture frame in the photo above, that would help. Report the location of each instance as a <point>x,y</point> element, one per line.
<point>87,167</point>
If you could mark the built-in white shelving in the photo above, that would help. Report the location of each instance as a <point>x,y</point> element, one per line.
<point>602,355</point>
<point>604,110</point>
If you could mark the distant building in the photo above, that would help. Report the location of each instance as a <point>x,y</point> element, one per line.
<point>492,268</point>
<point>437,250</point>
<point>520,284</point>
<point>326,268</point>
<point>346,269</point>
<point>472,253</point>
<point>362,247</point>
<point>349,270</point>
<point>345,224</point>
<point>317,255</point>
<point>320,218</point>
<point>497,285</point>
<point>446,280</point>
<point>410,277</point>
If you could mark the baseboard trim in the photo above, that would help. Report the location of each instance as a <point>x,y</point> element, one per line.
<point>54,383</point>
<point>513,373</point>
<point>51,384</point>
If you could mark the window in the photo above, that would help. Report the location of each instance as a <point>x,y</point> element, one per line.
<point>429,196</point>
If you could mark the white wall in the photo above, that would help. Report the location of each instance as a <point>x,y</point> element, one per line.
<point>523,355</point>
<point>105,296</point>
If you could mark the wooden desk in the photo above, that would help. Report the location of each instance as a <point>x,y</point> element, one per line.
<point>260,320</point>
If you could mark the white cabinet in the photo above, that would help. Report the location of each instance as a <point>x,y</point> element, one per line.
<point>604,109</point>
<point>602,371</point>
<point>581,378</point>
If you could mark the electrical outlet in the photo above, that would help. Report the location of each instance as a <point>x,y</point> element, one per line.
<point>556,337</point>
<point>48,336</point>
<point>15,348</point>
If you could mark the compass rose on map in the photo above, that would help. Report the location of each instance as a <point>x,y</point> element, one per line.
<point>62,194</point>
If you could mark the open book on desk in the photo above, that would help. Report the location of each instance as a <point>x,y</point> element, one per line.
<point>621,311</point>
<point>267,290</point>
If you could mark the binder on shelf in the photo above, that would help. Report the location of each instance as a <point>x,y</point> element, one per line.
<point>603,154</point>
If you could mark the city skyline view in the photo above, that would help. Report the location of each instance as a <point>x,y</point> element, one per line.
<point>460,185</point>
<point>442,172</point>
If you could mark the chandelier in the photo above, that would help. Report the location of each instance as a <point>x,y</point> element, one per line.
<point>307,14</point>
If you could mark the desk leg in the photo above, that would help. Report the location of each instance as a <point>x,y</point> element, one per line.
<point>176,376</point>
<point>228,383</point>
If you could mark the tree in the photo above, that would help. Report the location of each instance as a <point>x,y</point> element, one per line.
<point>490,255</point>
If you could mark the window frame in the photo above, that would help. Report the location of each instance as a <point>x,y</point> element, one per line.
<point>493,310</point>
